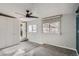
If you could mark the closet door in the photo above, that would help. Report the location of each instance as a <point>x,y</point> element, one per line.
<point>9,32</point>
<point>77,33</point>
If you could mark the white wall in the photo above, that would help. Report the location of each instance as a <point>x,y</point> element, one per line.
<point>68,25</point>
<point>9,31</point>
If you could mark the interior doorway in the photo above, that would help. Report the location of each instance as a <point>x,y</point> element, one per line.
<point>23,31</point>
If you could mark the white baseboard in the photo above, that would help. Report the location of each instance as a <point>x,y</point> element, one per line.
<point>70,49</point>
<point>66,48</point>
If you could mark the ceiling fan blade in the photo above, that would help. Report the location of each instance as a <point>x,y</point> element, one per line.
<point>32,17</point>
<point>20,14</point>
<point>2,14</point>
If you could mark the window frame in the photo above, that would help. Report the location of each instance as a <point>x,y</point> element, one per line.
<point>32,28</point>
<point>57,17</point>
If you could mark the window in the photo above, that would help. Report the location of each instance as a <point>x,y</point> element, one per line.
<point>46,28</point>
<point>52,25</point>
<point>32,28</point>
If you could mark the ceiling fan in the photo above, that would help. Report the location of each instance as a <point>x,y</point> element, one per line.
<point>27,15</point>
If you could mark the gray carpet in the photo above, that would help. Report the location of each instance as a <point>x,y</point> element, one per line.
<point>28,48</point>
<point>50,50</point>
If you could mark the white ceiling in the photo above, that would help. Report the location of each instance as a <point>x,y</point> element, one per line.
<point>38,9</point>
<point>12,8</point>
<point>51,9</point>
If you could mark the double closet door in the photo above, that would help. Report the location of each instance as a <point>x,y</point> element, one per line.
<point>9,31</point>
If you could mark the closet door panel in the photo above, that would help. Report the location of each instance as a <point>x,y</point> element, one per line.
<point>3,32</point>
<point>16,31</point>
<point>13,29</point>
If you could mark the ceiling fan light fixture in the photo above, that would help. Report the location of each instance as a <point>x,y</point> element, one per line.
<point>27,19</point>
